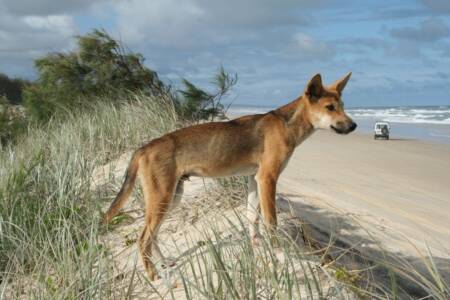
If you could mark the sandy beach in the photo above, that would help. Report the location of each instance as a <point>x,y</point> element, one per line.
<point>398,190</point>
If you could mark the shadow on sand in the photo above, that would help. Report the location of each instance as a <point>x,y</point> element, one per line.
<point>356,252</point>
<point>396,139</point>
<point>402,139</point>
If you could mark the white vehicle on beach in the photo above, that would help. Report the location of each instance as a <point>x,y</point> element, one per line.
<point>382,130</point>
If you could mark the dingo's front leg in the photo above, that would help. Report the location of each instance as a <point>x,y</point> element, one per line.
<point>253,208</point>
<point>267,181</point>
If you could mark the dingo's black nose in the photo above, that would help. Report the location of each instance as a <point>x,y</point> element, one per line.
<point>352,127</point>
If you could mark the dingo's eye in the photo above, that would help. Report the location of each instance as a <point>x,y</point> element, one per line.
<point>330,107</point>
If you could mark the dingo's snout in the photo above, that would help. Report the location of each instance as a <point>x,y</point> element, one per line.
<point>344,127</point>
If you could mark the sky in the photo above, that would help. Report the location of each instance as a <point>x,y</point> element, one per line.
<point>398,50</point>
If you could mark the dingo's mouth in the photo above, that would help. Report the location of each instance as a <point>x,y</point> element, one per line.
<point>344,131</point>
<point>339,130</point>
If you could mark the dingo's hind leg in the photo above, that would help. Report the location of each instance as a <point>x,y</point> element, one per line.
<point>170,261</point>
<point>158,193</point>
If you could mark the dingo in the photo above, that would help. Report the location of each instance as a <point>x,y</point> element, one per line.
<point>258,146</point>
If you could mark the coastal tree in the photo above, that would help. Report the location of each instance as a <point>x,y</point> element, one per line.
<point>197,104</point>
<point>100,66</point>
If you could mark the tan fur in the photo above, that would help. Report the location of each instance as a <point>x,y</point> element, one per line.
<point>258,146</point>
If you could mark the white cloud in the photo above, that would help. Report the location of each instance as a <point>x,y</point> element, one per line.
<point>45,7</point>
<point>23,38</point>
<point>62,24</point>
<point>429,30</point>
<point>307,47</point>
<point>161,22</point>
<point>191,23</point>
<point>36,33</point>
<point>437,6</point>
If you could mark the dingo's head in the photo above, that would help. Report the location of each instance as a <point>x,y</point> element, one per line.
<point>325,106</point>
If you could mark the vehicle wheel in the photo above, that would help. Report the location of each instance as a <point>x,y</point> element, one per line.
<point>387,137</point>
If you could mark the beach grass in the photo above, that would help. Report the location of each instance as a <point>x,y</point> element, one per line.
<point>51,243</point>
<point>49,215</point>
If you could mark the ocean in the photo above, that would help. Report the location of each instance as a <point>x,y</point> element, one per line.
<point>429,123</point>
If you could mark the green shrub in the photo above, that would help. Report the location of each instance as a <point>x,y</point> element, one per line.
<point>11,88</point>
<point>12,121</point>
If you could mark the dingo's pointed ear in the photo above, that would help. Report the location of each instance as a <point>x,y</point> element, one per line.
<point>340,84</point>
<point>314,88</point>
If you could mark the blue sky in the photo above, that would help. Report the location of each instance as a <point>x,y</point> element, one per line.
<point>398,51</point>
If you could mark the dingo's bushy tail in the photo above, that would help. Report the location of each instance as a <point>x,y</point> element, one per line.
<point>125,191</point>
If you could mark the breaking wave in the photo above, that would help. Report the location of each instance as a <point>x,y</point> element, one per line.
<point>424,115</point>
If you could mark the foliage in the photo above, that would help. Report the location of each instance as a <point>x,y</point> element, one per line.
<point>200,105</point>
<point>11,89</point>
<point>12,121</point>
<point>100,66</point>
